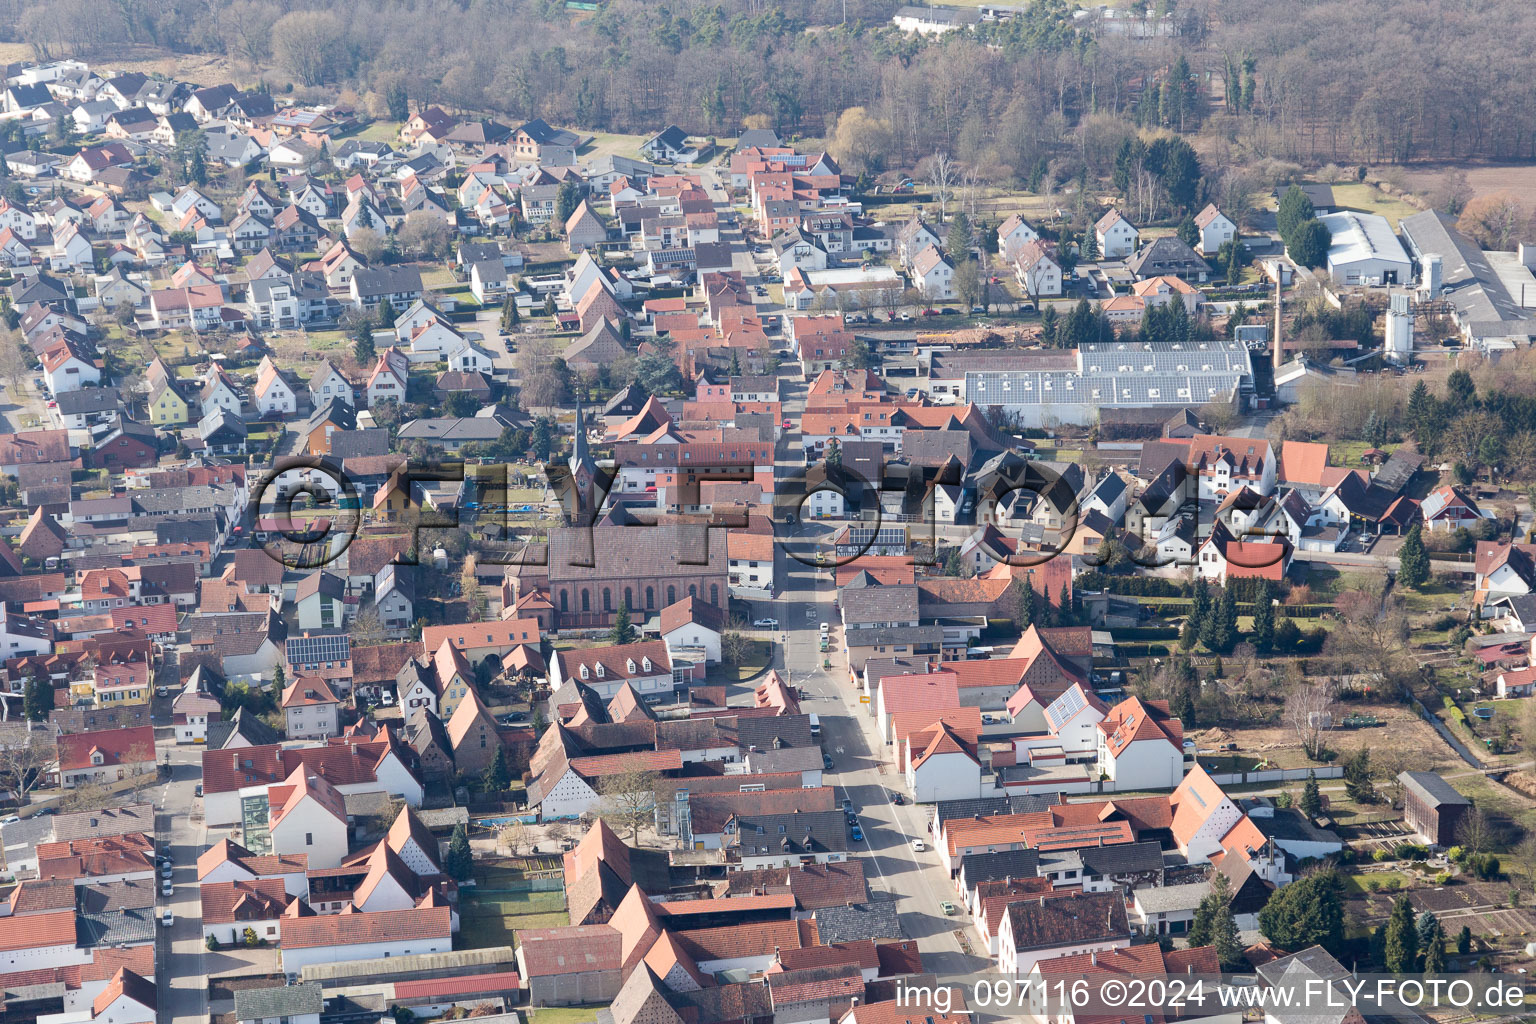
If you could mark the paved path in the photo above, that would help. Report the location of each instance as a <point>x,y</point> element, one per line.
<point>184,961</point>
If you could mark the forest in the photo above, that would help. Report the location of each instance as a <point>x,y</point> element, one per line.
<point>1306,81</point>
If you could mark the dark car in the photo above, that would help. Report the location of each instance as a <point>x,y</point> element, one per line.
<point>847,806</point>
<point>898,799</point>
<point>950,311</point>
<point>826,762</point>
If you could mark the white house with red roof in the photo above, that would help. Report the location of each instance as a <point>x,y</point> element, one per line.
<point>229,908</point>
<point>1450,508</point>
<point>646,666</point>
<point>1116,236</point>
<point>306,814</point>
<point>942,764</point>
<point>310,709</point>
<point>1202,816</point>
<point>128,998</point>
<point>1518,682</point>
<point>47,940</point>
<point>918,691</point>
<point>228,861</point>
<point>1221,557</point>
<point>105,756</point>
<point>387,382</point>
<point>1142,745</point>
<point>355,935</point>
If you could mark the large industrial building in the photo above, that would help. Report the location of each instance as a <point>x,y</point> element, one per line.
<point>1365,251</point>
<point>1115,375</point>
<point>1490,294</point>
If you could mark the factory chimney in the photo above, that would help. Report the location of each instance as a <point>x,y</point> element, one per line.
<point>1277,356</point>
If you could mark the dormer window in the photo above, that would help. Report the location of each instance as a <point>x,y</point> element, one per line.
<point>646,661</point>
<point>583,671</point>
<point>599,670</point>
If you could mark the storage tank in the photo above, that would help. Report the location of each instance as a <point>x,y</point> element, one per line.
<point>1399,346</point>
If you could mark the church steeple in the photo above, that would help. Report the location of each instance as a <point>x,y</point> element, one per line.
<point>583,471</point>
<point>579,454</point>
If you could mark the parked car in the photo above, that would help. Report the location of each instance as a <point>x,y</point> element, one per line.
<point>765,624</point>
<point>950,311</point>
<point>10,819</point>
<point>898,799</point>
<point>930,312</point>
<point>166,888</point>
<point>162,691</point>
<point>856,834</point>
<point>918,846</point>
<point>167,919</point>
<point>847,806</point>
<point>826,762</point>
<point>167,870</point>
<point>947,907</point>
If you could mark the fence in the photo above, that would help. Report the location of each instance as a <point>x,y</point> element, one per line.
<point>526,885</point>
<point>1277,775</point>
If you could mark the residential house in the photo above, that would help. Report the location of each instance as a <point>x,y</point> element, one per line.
<point>1116,236</point>
<point>310,709</point>
<point>1216,229</point>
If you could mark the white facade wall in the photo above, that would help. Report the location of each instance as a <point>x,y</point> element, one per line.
<point>1150,764</point>
<point>951,776</point>
<point>571,797</point>
<point>314,831</point>
<point>296,959</point>
<point>694,635</point>
<point>233,932</point>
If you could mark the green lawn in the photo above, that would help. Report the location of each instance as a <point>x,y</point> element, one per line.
<point>563,1014</point>
<point>379,131</point>
<point>440,279</point>
<point>757,659</point>
<point>1369,198</point>
<point>609,143</point>
<point>324,341</point>
<point>1386,881</point>
<point>496,919</point>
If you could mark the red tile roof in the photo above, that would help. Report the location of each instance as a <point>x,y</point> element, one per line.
<point>116,747</point>
<point>350,929</point>
<point>572,950</point>
<point>261,899</point>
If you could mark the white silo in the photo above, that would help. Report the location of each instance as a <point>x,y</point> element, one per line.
<point>1399,345</point>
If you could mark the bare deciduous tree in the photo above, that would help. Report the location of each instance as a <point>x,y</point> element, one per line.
<point>629,800</point>
<point>1474,831</point>
<point>1309,712</point>
<point>23,765</point>
<point>942,174</point>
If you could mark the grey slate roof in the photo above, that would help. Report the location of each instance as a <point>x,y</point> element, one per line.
<point>860,921</point>
<point>1432,789</point>
<point>278,1001</point>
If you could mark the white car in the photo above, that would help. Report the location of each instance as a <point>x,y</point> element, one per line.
<point>765,624</point>
<point>167,919</point>
<point>918,846</point>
